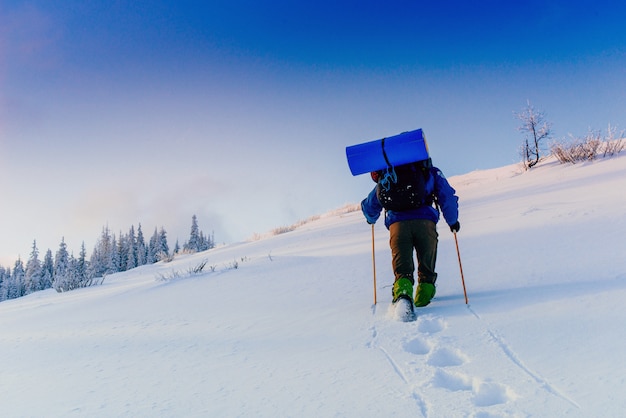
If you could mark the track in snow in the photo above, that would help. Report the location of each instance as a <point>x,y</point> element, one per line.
<point>441,376</point>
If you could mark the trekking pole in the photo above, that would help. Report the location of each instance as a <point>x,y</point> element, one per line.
<point>458,253</point>
<point>374,263</point>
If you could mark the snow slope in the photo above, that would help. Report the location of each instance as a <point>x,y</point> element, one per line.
<point>293,332</point>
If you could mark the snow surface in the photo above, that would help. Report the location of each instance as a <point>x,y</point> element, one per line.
<point>293,332</point>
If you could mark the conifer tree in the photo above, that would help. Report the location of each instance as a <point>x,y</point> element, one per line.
<point>47,271</point>
<point>158,247</point>
<point>122,252</point>
<point>197,240</point>
<point>193,245</point>
<point>101,258</point>
<point>16,286</point>
<point>82,267</point>
<point>153,248</point>
<point>72,276</point>
<point>131,248</point>
<point>3,280</point>
<point>32,275</point>
<point>142,251</point>
<point>163,247</point>
<point>61,280</point>
<point>114,257</point>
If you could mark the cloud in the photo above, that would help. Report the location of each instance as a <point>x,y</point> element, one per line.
<point>154,201</point>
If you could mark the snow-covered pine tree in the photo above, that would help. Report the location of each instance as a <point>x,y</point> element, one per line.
<point>131,248</point>
<point>47,271</point>
<point>32,275</point>
<point>142,251</point>
<point>7,287</point>
<point>122,252</point>
<point>82,268</point>
<point>61,278</point>
<point>16,286</point>
<point>193,245</point>
<point>4,276</point>
<point>152,256</point>
<point>101,258</point>
<point>206,242</point>
<point>114,257</point>
<point>163,248</point>
<point>72,276</point>
<point>197,240</point>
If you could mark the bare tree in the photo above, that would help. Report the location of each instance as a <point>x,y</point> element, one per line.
<point>535,129</point>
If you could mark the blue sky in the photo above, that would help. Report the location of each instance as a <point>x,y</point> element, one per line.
<point>127,112</point>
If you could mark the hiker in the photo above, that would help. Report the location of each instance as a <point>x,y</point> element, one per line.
<point>412,225</point>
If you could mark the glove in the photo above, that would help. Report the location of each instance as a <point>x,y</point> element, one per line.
<point>455,227</point>
<point>370,218</point>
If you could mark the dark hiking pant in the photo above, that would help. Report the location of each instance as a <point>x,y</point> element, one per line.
<point>419,235</point>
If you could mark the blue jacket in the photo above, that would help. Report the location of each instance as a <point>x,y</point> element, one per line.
<point>436,183</point>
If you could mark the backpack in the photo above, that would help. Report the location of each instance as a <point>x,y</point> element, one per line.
<point>403,187</point>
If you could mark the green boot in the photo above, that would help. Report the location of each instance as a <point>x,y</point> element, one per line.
<point>402,287</point>
<point>425,292</point>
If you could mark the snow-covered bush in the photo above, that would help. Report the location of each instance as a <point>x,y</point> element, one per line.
<point>589,147</point>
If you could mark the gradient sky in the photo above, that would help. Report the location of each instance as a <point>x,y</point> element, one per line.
<point>127,112</point>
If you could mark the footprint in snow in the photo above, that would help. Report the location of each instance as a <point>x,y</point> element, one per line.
<point>446,357</point>
<point>488,393</point>
<point>430,325</point>
<point>452,381</point>
<point>417,346</point>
